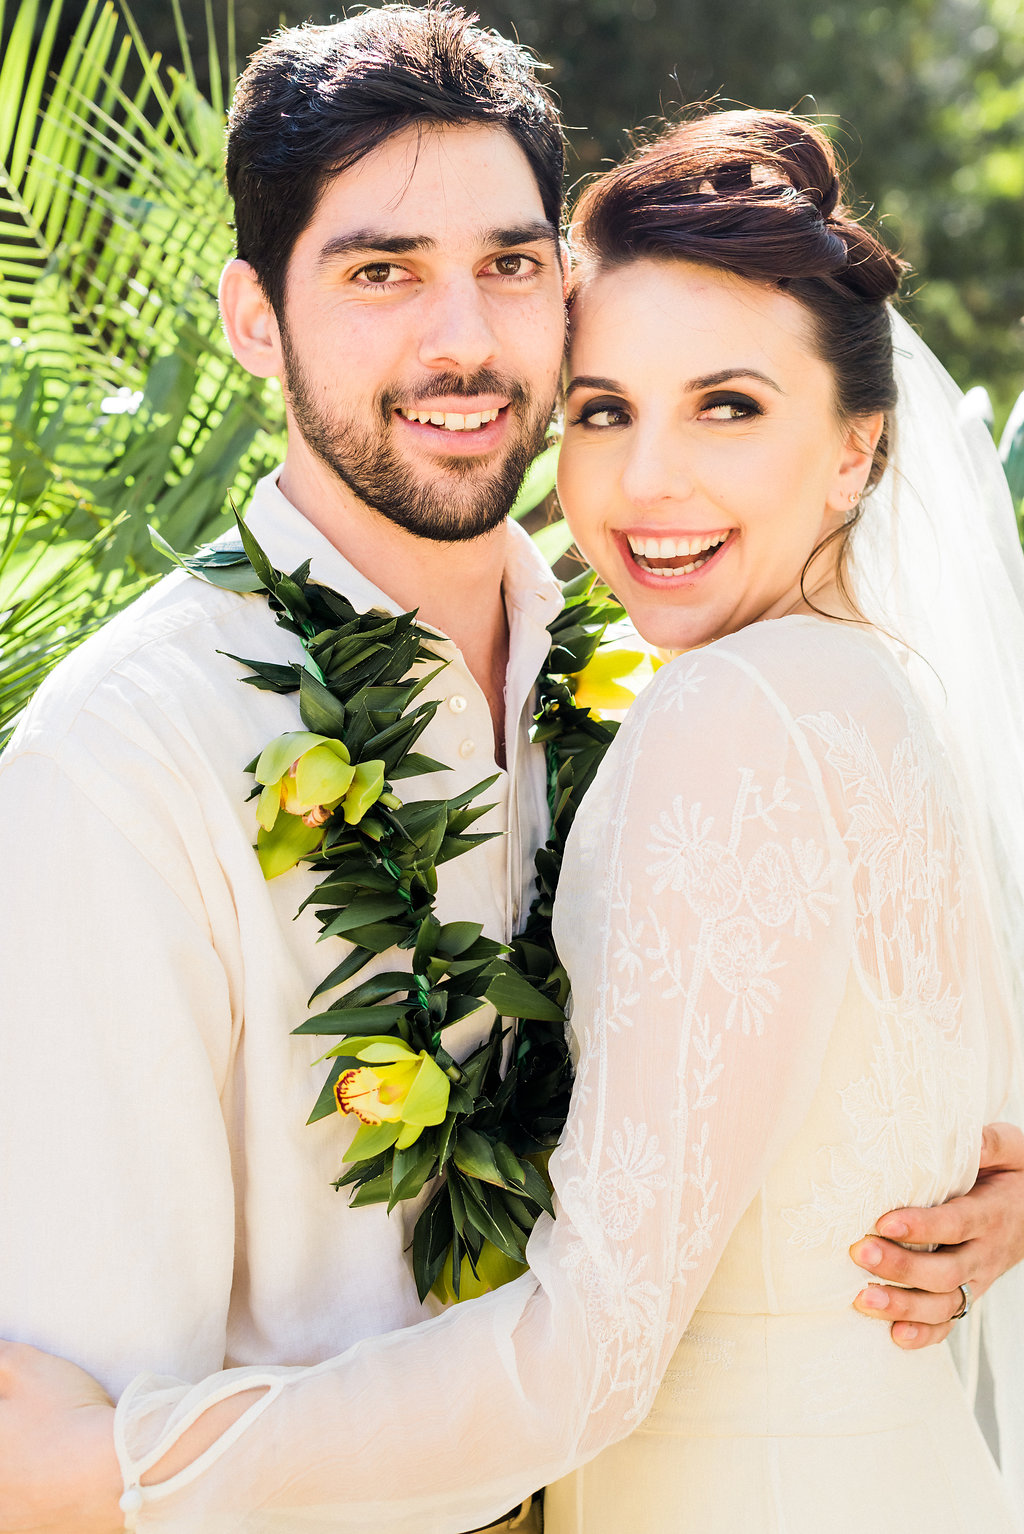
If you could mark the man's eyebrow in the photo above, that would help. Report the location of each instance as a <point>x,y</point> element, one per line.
<point>522,234</point>
<point>372,240</point>
<point>376,242</point>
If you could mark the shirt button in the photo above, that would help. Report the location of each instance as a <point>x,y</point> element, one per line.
<point>467,748</point>
<point>131,1504</point>
<point>457,704</point>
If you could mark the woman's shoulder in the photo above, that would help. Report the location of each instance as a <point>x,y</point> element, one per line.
<point>777,694</point>
<point>803,707</point>
<point>802,651</point>
<point>790,667</point>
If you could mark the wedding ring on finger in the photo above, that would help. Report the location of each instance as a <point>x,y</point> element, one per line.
<point>965,1304</point>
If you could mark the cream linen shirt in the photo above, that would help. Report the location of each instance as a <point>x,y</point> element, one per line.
<point>165,1205</point>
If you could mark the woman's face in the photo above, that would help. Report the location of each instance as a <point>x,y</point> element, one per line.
<point>703,459</point>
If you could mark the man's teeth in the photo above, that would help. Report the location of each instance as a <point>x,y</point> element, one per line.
<point>686,554</point>
<point>449,420</point>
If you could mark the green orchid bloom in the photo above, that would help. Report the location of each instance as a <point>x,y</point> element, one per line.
<point>366,788</point>
<point>395,1094</point>
<point>305,777</point>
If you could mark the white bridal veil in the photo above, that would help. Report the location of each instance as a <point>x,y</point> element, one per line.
<point>937,562</point>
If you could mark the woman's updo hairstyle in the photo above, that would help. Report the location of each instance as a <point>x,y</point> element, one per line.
<point>758,194</point>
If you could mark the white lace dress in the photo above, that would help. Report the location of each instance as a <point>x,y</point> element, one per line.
<point>788,1019</point>
<point>796,917</point>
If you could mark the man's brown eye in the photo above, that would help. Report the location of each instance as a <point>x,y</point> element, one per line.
<point>510,266</point>
<point>378,272</point>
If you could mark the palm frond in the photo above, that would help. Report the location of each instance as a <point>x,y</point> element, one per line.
<point>51,598</point>
<point>114,226</point>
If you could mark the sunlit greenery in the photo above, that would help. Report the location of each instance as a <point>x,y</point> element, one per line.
<point>120,404</point>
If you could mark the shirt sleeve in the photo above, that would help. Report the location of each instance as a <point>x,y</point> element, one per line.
<point>706,918</point>
<point>115,1044</point>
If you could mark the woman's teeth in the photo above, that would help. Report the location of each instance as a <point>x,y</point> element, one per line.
<point>449,420</point>
<point>675,556</point>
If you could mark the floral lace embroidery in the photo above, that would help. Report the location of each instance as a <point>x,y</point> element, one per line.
<point>702,1350</point>
<point>738,894</point>
<point>627,1187</point>
<point>912,1116</point>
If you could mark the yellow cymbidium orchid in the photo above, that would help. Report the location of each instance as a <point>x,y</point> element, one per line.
<point>611,681</point>
<point>305,777</point>
<point>395,1094</point>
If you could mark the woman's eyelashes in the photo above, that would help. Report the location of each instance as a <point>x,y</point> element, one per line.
<point>602,413</point>
<point>728,407</point>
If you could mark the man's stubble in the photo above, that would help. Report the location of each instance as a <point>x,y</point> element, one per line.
<point>363,456</point>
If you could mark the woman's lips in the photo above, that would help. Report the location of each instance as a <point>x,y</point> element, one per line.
<point>666,560</point>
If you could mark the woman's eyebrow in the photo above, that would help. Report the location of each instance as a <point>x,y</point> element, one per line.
<point>693,385</point>
<point>586,381</point>
<point>712,380</point>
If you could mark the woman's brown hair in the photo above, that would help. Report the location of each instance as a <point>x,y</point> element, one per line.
<point>758,194</point>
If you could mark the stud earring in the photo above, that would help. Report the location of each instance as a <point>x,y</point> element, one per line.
<point>854,497</point>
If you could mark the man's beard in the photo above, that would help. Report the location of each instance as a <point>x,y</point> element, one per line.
<point>364,459</point>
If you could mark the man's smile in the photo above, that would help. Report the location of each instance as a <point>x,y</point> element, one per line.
<point>451,420</point>
<point>462,427</point>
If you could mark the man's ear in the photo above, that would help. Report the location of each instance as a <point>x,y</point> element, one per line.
<point>250,323</point>
<point>855,460</point>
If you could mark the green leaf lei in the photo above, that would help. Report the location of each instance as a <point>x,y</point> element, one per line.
<point>481,1134</point>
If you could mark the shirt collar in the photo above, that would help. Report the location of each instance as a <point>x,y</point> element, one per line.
<point>288,538</point>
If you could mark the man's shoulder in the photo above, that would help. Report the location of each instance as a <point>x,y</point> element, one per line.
<point>162,656</point>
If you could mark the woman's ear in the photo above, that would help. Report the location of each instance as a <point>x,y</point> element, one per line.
<point>250,323</point>
<point>853,467</point>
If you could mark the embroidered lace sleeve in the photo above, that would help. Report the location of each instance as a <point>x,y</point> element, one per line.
<point>706,917</point>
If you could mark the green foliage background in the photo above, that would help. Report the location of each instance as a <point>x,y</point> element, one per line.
<point>119,402</point>
<point>926,98</point>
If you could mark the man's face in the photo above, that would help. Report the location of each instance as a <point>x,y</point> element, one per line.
<point>423,327</point>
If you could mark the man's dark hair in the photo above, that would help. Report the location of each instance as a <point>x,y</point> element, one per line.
<point>314,100</point>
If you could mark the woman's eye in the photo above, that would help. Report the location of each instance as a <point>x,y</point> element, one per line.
<point>602,415</point>
<point>514,266</point>
<point>734,408</point>
<point>378,274</point>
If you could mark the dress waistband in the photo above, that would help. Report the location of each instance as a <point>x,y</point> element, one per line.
<point>812,1373</point>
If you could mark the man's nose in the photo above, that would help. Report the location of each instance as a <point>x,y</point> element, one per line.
<point>458,334</point>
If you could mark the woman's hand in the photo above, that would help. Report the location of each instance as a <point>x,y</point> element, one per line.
<point>978,1237</point>
<point>58,1469</point>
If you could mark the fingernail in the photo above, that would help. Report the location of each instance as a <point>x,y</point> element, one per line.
<point>874,1299</point>
<point>908,1333</point>
<point>869,1254</point>
<point>896,1230</point>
